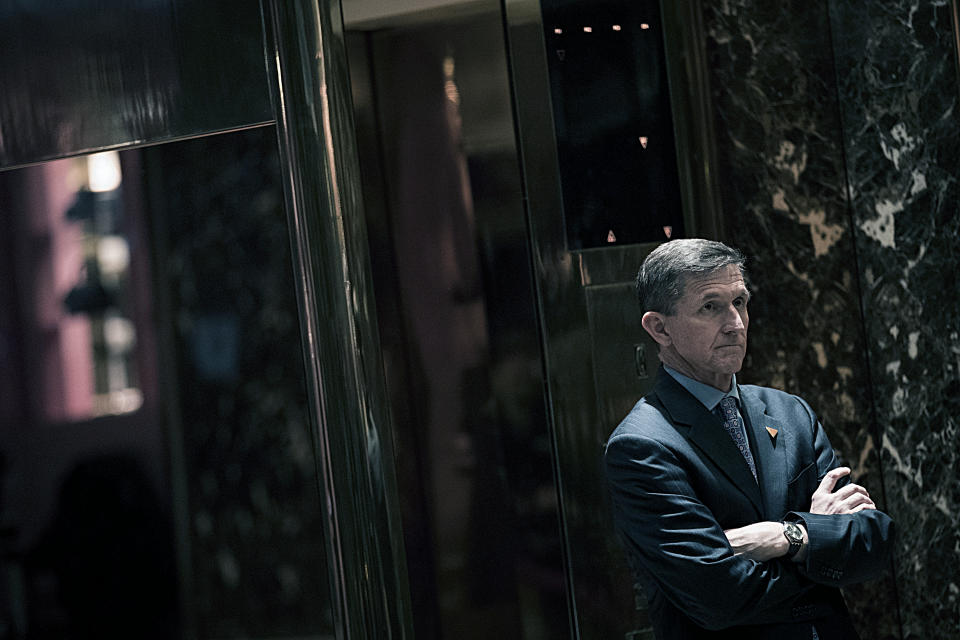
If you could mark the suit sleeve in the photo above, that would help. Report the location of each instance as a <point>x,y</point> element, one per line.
<point>843,549</point>
<point>680,544</point>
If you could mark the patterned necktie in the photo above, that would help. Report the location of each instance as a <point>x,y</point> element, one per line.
<point>731,422</point>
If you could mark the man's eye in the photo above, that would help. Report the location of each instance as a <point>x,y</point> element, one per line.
<point>739,302</point>
<point>708,307</point>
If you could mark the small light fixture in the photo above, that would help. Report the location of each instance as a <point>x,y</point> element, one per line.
<point>617,27</point>
<point>103,171</point>
<point>644,26</point>
<point>558,30</point>
<point>588,29</point>
<point>643,141</point>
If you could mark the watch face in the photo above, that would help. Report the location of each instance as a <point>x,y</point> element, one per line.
<point>793,533</point>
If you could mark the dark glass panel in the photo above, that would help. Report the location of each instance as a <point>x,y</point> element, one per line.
<point>614,126</point>
<point>197,514</point>
<point>254,523</point>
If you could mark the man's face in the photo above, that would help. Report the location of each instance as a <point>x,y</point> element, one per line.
<point>706,337</point>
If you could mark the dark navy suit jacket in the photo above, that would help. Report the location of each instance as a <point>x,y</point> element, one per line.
<point>677,481</point>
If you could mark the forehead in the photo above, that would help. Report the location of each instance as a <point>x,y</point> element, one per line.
<point>726,281</point>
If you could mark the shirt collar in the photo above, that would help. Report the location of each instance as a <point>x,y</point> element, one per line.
<point>709,396</point>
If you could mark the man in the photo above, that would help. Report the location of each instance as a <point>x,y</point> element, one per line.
<point>735,513</point>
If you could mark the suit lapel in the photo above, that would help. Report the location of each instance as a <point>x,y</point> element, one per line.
<point>707,434</point>
<point>769,444</point>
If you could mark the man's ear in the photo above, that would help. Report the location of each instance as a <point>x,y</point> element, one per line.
<point>653,323</point>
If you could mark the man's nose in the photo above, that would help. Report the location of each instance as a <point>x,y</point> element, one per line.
<point>734,320</point>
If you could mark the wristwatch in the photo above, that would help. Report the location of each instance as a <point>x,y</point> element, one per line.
<point>794,536</point>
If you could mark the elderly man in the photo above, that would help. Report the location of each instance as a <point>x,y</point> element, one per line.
<point>736,516</point>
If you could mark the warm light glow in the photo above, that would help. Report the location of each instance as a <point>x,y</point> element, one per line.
<point>643,141</point>
<point>644,25</point>
<point>113,255</point>
<point>117,402</point>
<point>616,27</point>
<point>119,334</point>
<point>558,31</point>
<point>103,171</point>
<point>588,29</point>
<point>450,85</point>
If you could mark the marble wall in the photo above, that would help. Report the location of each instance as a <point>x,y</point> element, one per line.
<point>903,154</point>
<point>837,148</point>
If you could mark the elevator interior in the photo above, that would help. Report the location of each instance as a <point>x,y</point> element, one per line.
<point>159,458</point>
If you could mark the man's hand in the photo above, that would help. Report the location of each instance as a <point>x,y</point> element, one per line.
<point>848,499</point>
<point>760,541</point>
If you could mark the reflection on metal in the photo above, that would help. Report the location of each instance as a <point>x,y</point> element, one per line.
<point>307,59</point>
<point>458,328</point>
<point>87,75</point>
<point>693,116</point>
<point>556,278</point>
<point>589,322</point>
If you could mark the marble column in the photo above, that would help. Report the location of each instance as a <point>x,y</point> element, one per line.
<point>897,87</point>
<point>781,162</point>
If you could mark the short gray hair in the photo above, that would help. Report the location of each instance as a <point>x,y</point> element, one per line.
<point>663,275</point>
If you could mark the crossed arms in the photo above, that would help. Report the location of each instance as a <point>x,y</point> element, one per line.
<point>765,540</point>
<point>722,578</point>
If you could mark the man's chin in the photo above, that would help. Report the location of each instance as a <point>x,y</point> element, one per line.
<point>731,366</point>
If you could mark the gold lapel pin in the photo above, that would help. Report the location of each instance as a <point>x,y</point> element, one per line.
<point>773,433</point>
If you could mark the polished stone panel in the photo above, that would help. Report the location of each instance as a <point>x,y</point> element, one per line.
<point>781,163</point>
<point>898,91</point>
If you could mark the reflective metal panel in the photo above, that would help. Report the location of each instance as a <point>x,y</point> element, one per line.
<point>601,590</point>
<point>598,360</point>
<point>458,326</point>
<point>307,56</point>
<point>83,75</point>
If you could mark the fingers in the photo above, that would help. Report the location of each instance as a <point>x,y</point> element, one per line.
<point>831,478</point>
<point>848,499</point>
<point>857,499</point>
<point>845,492</point>
<point>851,498</point>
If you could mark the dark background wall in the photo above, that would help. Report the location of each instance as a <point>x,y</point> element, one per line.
<point>837,147</point>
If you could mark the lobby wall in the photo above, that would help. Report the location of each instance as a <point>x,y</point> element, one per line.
<point>837,152</point>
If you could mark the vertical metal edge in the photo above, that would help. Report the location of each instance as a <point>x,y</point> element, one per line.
<point>169,384</point>
<point>539,173</point>
<point>690,98</point>
<point>955,24</point>
<point>310,89</point>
